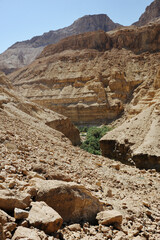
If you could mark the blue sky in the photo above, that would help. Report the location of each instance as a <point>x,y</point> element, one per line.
<point>24,19</point>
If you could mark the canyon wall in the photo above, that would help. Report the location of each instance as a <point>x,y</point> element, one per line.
<point>92,77</point>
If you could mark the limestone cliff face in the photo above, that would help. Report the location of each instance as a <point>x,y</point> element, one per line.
<point>151,13</point>
<point>90,78</point>
<point>147,94</point>
<point>23,53</point>
<point>80,84</point>
<point>137,140</point>
<point>12,103</point>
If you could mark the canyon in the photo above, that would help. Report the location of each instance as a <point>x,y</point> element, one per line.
<point>94,78</point>
<point>50,188</point>
<point>91,77</point>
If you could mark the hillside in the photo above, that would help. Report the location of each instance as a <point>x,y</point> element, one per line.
<point>23,53</point>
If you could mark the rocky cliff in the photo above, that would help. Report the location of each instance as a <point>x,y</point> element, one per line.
<point>13,104</point>
<point>91,77</point>
<point>151,13</point>
<point>23,53</point>
<point>137,40</point>
<point>136,141</point>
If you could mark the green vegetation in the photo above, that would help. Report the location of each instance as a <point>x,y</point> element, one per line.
<point>93,135</point>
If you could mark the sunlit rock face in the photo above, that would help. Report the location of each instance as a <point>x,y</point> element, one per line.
<point>91,77</point>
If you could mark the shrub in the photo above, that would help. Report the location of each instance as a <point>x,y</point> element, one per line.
<point>94,134</point>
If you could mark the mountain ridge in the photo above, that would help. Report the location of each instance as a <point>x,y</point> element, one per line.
<point>152,12</point>
<point>87,23</point>
<point>23,53</point>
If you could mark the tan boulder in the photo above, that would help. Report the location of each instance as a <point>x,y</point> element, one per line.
<point>20,213</point>
<point>28,234</point>
<point>72,201</point>
<point>12,199</point>
<point>7,223</point>
<point>44,217</point>
<point>109,217</point>
<point>75,227</point>
<point>4,217</point>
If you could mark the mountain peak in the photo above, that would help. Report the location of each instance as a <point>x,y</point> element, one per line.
<point>151,13</point>
<point>23,53</point>
<point>94,22</point>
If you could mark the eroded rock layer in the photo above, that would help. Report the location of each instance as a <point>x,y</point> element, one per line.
<point>17,106</point>
<point>90,77</point>
<point>136,141</point>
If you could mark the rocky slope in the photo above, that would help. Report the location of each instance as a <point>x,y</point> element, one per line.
<point>151,13</point>
<point>23,53</point>
<point>91,77</point>
<point>39,164</point>
<point>17,106</point>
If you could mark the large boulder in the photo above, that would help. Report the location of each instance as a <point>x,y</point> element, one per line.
<point>44,217</point>
<point>136,141</point>
<point>72,201</point>
<point>5,218</point>
<point>7,223</point>
<point>109,217</point>
<point>13,199</point>
<point>28,234</point>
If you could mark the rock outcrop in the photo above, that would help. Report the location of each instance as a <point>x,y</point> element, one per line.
<point>13,199</point>
<point>152,13</point>
<point>109,217</point>
<point>27,233</point>
<point>137,40</point>
<point>72,201</point>
<point>136,141</point>
<point>44,217</point>
<point>90,77</point>
<point>16,105</point>
<point>23,53</point>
